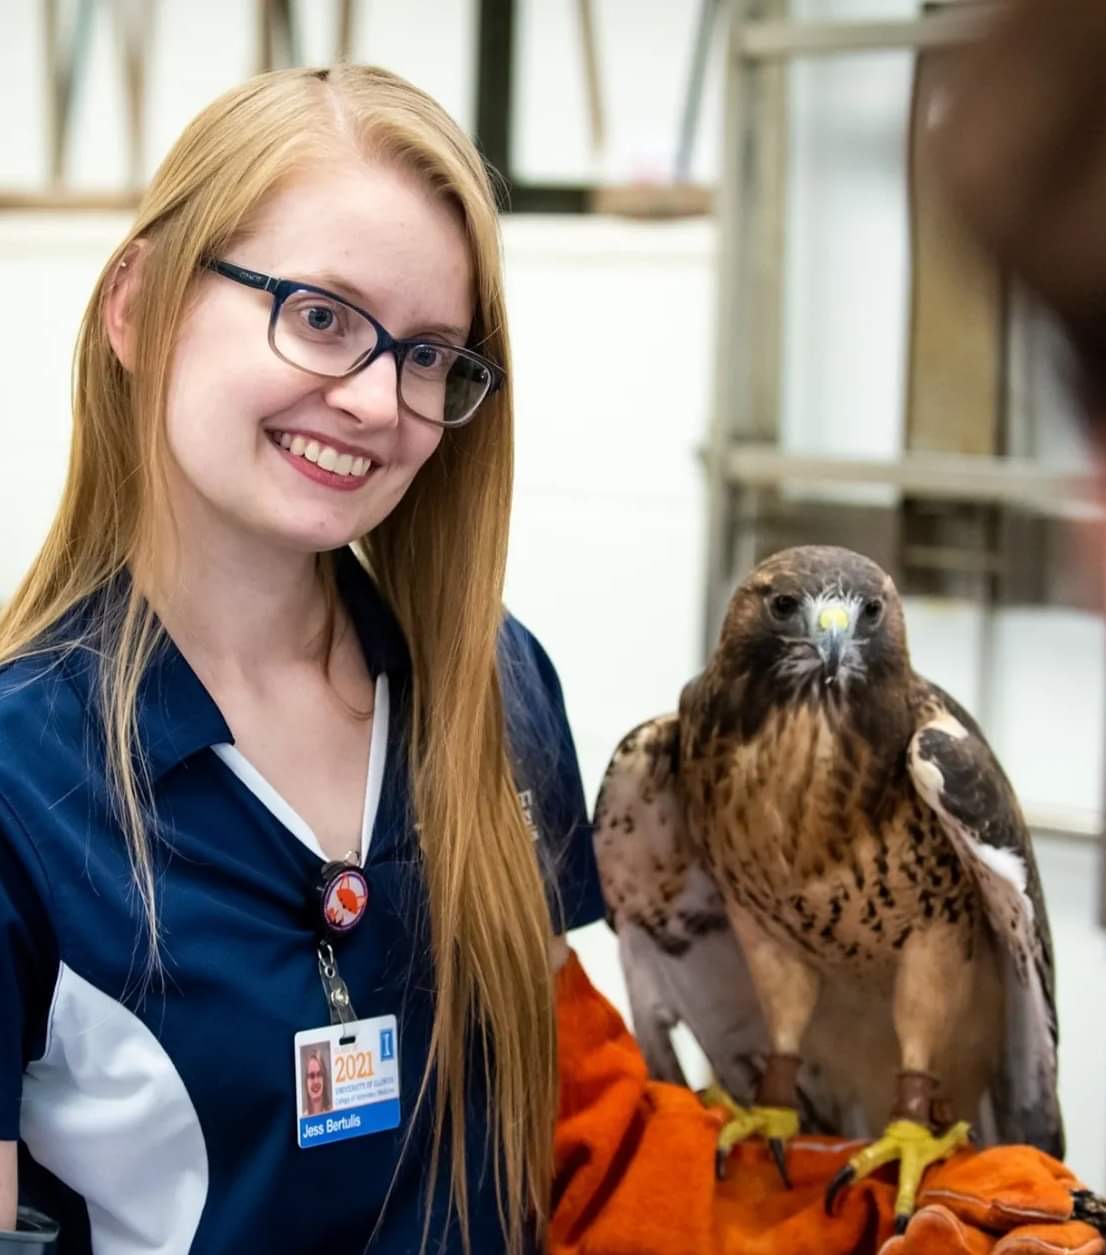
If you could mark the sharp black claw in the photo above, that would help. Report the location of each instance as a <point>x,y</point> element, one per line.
<point>1089,1208</point>
<point>844,1177</point>
<point>720,1158</point>
<point>775,1145</point>
<point>900,1223</point>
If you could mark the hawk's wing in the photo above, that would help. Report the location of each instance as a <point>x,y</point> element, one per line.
<point>679,955</point>
<point>959,777</point>
<point>681,959</point>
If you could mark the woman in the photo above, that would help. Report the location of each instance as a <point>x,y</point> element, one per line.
<point>316,1082</point>
<point>264,640</point>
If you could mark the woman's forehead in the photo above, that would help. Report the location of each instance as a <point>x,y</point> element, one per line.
<point>375,234</point>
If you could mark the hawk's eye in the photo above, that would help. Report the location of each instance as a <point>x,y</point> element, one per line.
<point>783,606</point>
<point>873,610</point>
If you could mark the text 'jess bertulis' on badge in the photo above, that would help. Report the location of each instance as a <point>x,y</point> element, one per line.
<point>347,1080</point>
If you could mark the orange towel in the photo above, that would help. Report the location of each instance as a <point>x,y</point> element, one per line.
<point>635,1174</point>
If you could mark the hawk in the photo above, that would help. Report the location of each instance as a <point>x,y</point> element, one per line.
<point>819,867</point>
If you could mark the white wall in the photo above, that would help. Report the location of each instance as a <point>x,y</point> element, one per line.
<point>606,558</point>
<point>612,335</point>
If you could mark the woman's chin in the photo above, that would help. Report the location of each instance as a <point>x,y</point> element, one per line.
<point>315,536</point>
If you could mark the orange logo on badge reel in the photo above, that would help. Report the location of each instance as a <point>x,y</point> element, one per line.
<point>345,897</point>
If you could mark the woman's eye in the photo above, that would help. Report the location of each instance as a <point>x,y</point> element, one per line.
<point>427,356</point>
<point>313,316</point>
<point>783,606</point>
<point>320,317</point>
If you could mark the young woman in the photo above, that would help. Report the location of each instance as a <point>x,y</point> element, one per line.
<point>274,765</point>
<point>316,1082</point>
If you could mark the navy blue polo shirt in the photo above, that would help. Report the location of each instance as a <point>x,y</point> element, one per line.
<point>161,1117</point>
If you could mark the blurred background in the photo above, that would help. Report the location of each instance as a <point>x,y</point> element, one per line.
<point>741,317</point>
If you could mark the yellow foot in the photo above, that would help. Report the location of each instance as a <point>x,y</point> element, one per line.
<point>775,1124</point>
<point>915,1147</point>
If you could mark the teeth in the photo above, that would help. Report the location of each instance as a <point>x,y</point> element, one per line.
<point>323,455</point>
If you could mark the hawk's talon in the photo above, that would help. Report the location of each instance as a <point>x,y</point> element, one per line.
<point>914,1146</point>
<point>776,1146</point>
<point>775,1124</point>
<point>900,1224</point>
<point>842,1177</point>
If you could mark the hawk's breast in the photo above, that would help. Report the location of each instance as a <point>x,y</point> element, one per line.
<point>804,826</point>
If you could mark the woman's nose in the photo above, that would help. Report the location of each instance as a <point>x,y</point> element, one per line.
<point>370,395</point>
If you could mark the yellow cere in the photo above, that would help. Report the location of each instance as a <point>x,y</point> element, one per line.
<point>833,617</point>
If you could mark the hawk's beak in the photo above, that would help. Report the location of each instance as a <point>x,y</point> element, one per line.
<point>833,636</point>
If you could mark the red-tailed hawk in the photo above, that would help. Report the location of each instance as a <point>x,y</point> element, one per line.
<point>819,867</point>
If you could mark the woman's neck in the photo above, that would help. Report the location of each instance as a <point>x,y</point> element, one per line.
<point>236,613</point>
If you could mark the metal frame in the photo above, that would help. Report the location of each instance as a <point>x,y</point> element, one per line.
<point>750,209</point>
<point>750,212</point>
<point>66,49</point>
<point>277,43</point>
<point>948,476</point>
<point>495,73</point>
<point>776,40</point>
<point>743,465</point>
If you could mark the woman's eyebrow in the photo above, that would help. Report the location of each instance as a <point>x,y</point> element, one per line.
<point>337,284</point>
<point>449,332</point>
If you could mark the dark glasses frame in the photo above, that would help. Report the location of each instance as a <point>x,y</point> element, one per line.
<point>282,289</point>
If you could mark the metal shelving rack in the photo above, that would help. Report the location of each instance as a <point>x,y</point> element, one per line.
<point>745,467</point>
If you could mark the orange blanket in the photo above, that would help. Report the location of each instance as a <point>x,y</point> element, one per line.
<point>635,1174</point>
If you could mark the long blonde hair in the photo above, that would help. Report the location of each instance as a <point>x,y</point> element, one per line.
<point>439,559</point>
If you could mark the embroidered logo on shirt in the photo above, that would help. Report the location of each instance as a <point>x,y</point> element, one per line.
<point>526,801</point>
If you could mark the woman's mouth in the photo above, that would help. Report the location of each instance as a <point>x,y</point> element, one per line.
<point>321,462</point>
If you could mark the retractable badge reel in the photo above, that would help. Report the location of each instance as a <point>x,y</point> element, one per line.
<point>343,900</point>
<point>347,1073</point>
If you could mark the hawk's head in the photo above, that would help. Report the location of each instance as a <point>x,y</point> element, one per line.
<point>816,619</point>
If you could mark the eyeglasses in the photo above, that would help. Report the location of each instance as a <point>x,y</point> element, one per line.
<point>323,334</point>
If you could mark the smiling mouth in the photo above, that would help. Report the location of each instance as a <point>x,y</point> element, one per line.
<point>326,458</point>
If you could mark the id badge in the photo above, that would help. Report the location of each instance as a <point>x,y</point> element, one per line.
<point>347,1081</point>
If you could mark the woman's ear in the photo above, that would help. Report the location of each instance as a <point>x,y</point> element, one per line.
<point>119,303</point>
